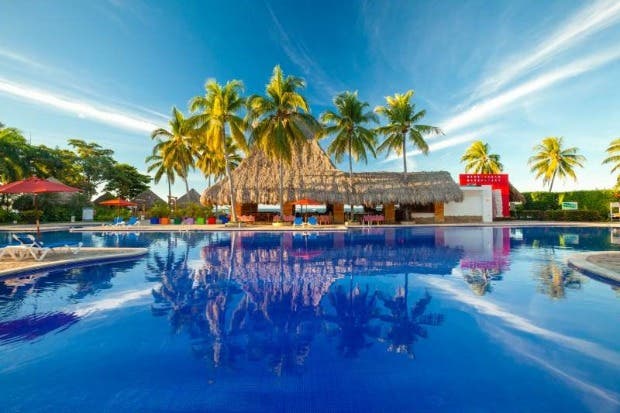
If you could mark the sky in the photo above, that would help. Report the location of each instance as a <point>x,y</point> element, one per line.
<point>508,73</point>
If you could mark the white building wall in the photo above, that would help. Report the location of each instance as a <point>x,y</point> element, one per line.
<point>477,202</point>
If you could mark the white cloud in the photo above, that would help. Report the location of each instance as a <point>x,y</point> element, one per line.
<point>585,22</point>
<point>446,143</point>
<point>78,107</point>
<point>492,106</point>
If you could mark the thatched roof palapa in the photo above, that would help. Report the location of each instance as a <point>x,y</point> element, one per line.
<point>191,197</point>
<point>147,199</point>
<point>311,174</point>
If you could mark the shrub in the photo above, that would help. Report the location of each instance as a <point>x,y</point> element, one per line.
<point>159,210</point>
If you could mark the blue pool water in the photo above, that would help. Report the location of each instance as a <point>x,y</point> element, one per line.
<point>421,319</point>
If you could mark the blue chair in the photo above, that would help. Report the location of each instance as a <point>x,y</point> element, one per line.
<point>312,221</point>
<point>133,221</point>
<point>298,222</point>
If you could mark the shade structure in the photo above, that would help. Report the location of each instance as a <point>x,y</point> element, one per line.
<point>307,201</point>
<point>118,202</point>
<point>36,186</point>
<point>311,174</point>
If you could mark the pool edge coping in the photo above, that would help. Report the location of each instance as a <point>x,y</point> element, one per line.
<point>580,262</point>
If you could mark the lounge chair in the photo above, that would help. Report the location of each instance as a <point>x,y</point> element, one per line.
<point>133,221</point>
<point>298,222</point>
<point>312,221</point>
<point>30,241</point>
<point>26,245</point>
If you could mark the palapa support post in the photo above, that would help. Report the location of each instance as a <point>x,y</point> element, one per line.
<point>389,211</point>
<point>338,213</point>
<point>439,215</point>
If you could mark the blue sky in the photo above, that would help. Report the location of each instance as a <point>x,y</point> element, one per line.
<point>506,72</point>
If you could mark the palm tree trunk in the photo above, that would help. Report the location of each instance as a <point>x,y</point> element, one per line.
<point>169,190</point>
<point>350,183</point>
<point>186,185</point>
<point>231,187</point>
<point>405,155</point>
<point>552,179</point>
<point>281,188</point>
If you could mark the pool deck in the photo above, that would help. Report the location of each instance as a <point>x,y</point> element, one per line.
<point>56,259</point>
<point>605,264</point>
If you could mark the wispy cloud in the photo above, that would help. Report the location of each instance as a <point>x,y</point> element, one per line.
<point>492,106</point>
<point>585,22</point>
<point>21,59</point>
<point>299,55</point>
<point>80,108</point>
<point>446,143</point>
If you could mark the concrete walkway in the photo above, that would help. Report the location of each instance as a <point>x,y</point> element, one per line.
<point>604,264</point>
<point>9,267</point>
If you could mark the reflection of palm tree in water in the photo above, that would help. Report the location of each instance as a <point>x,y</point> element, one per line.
<point>278,320</point>
<point>479,279</point>
<point>554,279</point>
<point>355,310</point>
<point>406,325</point>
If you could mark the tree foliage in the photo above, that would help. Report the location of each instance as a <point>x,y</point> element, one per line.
<point>403,124</point>
<point>478,160</point>
<point>552,160</point>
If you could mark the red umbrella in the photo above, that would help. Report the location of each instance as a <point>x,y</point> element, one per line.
<point>35,186</point>
<point>118,203</point>
<point>306,202</point>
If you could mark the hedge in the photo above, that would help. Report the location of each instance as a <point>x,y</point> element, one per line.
<point>559,215</point>
<point>591,203</point>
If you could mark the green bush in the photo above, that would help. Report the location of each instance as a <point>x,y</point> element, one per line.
<point>596,201</point>
<point>580,215</point>
<point>194,211</point>
<point>159,210</point>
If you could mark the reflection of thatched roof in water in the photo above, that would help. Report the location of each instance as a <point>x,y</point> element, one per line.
<point>311,174</point>
<point>264,263</point>
<point>191,197</point>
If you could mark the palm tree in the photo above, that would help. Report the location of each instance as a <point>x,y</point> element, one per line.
<point>351,137</point>
<point>613,150</point>
<point>219,119</point>
<point>478,160</point>
<point>282,120</point>
<point>551,160</point>
<point>155,162</point>
<point>176,148</point>
<point>403,124</point>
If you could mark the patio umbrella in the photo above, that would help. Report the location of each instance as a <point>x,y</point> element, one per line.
<point>118,203</point>
<point>35,186</point>
<point>305,202</point>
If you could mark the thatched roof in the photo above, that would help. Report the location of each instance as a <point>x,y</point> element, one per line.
<point>146,199</point>
<point>311,174</point>
<point>192,197</point>
<point>515,195</point>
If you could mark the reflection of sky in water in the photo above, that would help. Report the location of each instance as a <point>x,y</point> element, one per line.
<point>472,318</point>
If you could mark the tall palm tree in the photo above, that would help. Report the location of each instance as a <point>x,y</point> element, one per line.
<point>282,120</point>
<point>402,125</point>
<point>613,150</point>
<point>155,162</point>
<point>220,118</point>
<point>552,160</point>
<point>478,160</point>
<point>176,148</point>
<point>352,138</point>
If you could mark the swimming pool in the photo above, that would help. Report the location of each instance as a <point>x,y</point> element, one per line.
<point>412,319</point>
